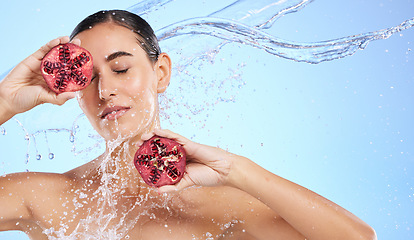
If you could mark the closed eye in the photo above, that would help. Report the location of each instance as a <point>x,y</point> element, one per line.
<point>120,71</point>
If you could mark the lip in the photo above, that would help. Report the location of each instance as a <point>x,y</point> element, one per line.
<point>112,113</point>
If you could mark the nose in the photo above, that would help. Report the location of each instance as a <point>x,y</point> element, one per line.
<point>106,88</point>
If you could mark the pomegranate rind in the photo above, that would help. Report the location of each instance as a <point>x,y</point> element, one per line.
<point>72,74</point>
<point>160,161</point>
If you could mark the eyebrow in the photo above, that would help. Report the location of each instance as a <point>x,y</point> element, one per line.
<point>116,55</point>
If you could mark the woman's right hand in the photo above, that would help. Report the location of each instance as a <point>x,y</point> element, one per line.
<point>24,87</point>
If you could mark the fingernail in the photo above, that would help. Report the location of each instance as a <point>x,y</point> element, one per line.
<point>146,136</point>
<point>139,143</point>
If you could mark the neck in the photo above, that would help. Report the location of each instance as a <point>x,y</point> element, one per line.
<point>118,161</point>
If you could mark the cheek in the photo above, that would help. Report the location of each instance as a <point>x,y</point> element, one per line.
<point>141,87</point>
<point>86,102</point>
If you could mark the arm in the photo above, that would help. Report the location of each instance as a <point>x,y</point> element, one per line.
<point>13,206</point>
<point>306,212</point>
<point>309,213</point>
<point>21,90</point>
<point>24,88</point>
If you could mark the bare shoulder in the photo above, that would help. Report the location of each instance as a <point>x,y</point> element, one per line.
<point>25,182</point>
<point>81,172</point>
<point>40,183</point>
<point>31,187</point>
<point>21,193</point>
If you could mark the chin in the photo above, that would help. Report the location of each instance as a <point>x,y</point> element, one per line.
<point>126,127</point>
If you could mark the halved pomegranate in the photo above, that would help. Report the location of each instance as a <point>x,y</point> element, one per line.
<point>160,161</point>
<point>67,68</point>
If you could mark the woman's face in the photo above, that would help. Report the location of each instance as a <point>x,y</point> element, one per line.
<point>121,100</point>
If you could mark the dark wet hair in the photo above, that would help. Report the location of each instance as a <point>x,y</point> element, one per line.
<point>146,36</point>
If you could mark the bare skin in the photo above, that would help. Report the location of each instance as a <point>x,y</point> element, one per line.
<point>222,195</point>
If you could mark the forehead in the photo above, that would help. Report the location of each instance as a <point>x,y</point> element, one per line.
<point>107,38</point>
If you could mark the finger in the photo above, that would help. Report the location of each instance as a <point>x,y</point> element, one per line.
<point>147,136</point>
<point>183,184</point>
<point>167,189</point>
<point>139,142</point>
<point>144,137</point>
<point>195,170</point>
<point>190,147</point>
<point>76,41</point>
<point>39,54</point>
<point>64,97</point>
<point>169,134</point>
<point>161,133</point>
<point>57,99</point>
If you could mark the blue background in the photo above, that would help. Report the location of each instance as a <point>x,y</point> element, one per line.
<point>343,128</point>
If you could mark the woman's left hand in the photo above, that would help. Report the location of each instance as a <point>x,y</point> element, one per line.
<point>206,165</point>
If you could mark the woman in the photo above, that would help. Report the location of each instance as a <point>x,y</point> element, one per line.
<point>107,199</point>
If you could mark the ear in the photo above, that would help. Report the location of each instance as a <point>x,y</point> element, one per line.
<point>163,69</point>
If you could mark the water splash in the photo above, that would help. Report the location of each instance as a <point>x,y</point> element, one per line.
<point>2,131</point>
<point>83,141</point>
<point>246,28</point>
<point>259,14</point>
<point>317,52</point>
<point>146,7</point>
<point>240,22</point>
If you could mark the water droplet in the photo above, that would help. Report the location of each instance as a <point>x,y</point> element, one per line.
<point>363,44</point>
<point>72,138</point>
<point>51,155</point>
<point>38,156</point>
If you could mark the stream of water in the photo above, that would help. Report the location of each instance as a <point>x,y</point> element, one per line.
<point>241,22</point>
